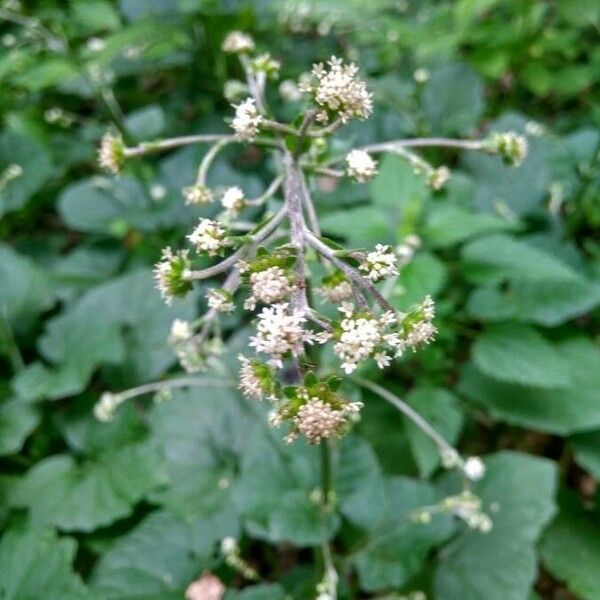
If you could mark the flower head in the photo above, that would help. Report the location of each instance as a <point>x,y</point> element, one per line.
<point>181,331</point>
<point>170,274</point>
<point>358,340</point>
<point>336,89</point>
<point>380,263</point>
<point>208,237</point>
<point>233,200</point>
<point>237,42</point>
<point>474,468</point>
<point>511,146</point>
<point>268,286</point>
<point>197,194</point>
<point>104,409</point>
<point>437,178</point>
<point>220,300</point>
<point>360,166</point>
<point>280,330</point>
<point>317,420</point>
<point>335,288</point>
<point>247,120</point>
<point>111,154</point>
<point>266,64</point>
<point>256,379</point>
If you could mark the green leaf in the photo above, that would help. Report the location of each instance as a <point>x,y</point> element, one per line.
<point>201,431</point>
<point>560,411</point>
<point>273,492</point>
<point>440,408</point>
<point>502,256</point>
<point>570,549</point>
<point>114,206</point>
<point>92,16</point>
<point>452,99</point>
<point>586,449</point>
<point>547,303</point>
<point>519,354</point>
<point>360,226</point>
<point>394,552</point>
<point>449,225</point>
<point>159,558</point>
<point>17,421</point>
<point>146,123</point>
<point>518,494</point>
<point>267,591</point>
<point>25,291</point>
<point>94,494</point>
<point>424,275</point>
<point>35,563</point>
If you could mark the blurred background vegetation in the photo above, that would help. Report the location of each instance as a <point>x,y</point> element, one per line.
<point>135,509</point>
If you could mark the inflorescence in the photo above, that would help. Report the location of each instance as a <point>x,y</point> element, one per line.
<point>270,268</point>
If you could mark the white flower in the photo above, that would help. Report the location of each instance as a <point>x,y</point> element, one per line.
<point>197,194</point>
<point>406,250</point>
<point>289,91</point>
<point>233,200</point>
<point>158,191</point>
<point>220,300</point>
<point>95,44</point>
<point>512,146</point>
<point>247,120</point>
<point>237,42</point>
<point>360,166</point>
<point>170,274</point>
<point>336,293</point>
<point>111,154</point>
<point>474,468</point>
<point>252,378</point>
<point>437,178</point>
<point>104,409</point>
<point>279,331</point>
<point>380,263</point>
<point>181,331</point>
<point>208,237</point>
<point>382,360</point>
<point>229,545</point>
<point>336,89</point>
<point>268,286</point>
<point>358,340</point>
<point>317,420</point>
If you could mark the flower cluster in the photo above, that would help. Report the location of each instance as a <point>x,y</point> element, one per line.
<point>360,165</point>
<point>233,201</point>
<point>247,120</point>
<point>208,236</point>
<point>171,274</point>
<point>237,42</point>
<point>335,288</point>
<point>280,331</point>
<point>193,353</point>
<point>511,146</point>
<point>257,379</point>
<point>336,89</point>
<point>220,299</point>
<point>111,154</point>
<point>268,286</point>
<point>198,194</point>
<point>379,264</point>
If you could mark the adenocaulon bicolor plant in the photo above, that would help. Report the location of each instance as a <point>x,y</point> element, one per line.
<point>267,266</point>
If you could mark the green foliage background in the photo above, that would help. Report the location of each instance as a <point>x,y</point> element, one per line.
<point>135,509</point>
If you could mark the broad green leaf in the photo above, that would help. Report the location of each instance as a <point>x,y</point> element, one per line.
<point>93,16</point>
<point>36,563</point>
<point>560,411</point>
<point>570,549</point>
<point>449,225</point>
<point>17,421</point>
<point>502,256</point>
<point>146,123</point>
<point>267,591</point>
<point>519,354</point>
<point>115,206</point>
<point>201,431</point>
<point>273,492</point>
<point>547,303</point>
<point>159,558</point>
<point>25,291</point>
<point>452,99</point>
<point>518,494</point>
<point>360,227</point>
<point>440,408</point>
<point>586,448</point>
<point>94,494</point>
<point>393,553</point>
<point>424,275</point>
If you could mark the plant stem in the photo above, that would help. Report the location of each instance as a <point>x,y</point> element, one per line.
<point>326,474</point>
